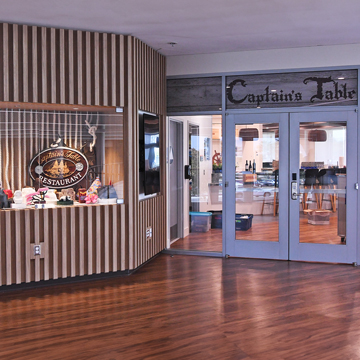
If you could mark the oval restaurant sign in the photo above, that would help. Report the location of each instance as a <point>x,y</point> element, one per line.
<point>59,168</point>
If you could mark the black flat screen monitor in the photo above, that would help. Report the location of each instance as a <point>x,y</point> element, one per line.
<point>149,153</point>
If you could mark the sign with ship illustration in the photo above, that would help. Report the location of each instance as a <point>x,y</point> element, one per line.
<point>59,168</point>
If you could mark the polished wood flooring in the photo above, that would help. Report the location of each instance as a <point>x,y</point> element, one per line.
<point>189,307</point>
<point>263,228</point>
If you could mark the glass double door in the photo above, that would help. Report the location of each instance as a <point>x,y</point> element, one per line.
<point>290,186</point>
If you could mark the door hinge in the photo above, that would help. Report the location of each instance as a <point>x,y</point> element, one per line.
<point>356,186</point>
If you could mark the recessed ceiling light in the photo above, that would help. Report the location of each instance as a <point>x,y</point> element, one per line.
<point>76,108</point>
<point>273,90</point>
<point>341,78</point>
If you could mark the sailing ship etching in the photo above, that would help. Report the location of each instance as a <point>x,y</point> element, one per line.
<point>58,169</point>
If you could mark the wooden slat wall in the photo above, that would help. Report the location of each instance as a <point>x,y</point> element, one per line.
<point>57,66</point>
<point>147,92</point>
<point>75,241</point>
<point>47,65</point>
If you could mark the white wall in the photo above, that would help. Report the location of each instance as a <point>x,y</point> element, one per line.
<point>262,60</point>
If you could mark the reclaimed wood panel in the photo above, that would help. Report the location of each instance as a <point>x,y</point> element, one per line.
<point>62,248</point>
<point>312,88</point>
<point>61,66</point>
<point>194,94</point>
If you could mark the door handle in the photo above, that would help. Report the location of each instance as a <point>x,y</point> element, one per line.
<point>294,190</point>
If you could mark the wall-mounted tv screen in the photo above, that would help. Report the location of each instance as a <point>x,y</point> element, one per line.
<point>149,141</point>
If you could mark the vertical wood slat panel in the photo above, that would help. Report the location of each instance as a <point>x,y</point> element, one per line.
<point>2,258</point>
<point>146,91</point>
<point>81,242</point>
<point>147,209</point>
<point>80,70</point>
<point>27,246</point>
<point>122,240</point>
<point>51,55</point>
<point>142,226</point>
<point>90,240</point>
<point>46,232</point>
<point>132,200</point>
<point>16,76</point>
<point>106,239</point>
<point>97,68</point>
<point>37,242</point>
<point>73,227</point>
<point>53,65</point>
<point>18,259</point>
<point>34,64</point>
<point>62,66</point>
<point>105,88</point>
<point>113,71</point>
<point>115,238</point>
<point>98,239</point>
<point>64,254</point>
<point>6,46</point>
<point>8,238</point>
<point>25,63</point>
<point>88,68</point>
<point>121,70</point>
<point>71,75</point>
<point>44,73</point>
<point>108,232</point>
<point>55,229</point>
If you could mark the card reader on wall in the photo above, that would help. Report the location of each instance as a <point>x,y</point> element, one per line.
<point>188,172</point>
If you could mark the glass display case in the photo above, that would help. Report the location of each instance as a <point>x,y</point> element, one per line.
<point>60,155</point>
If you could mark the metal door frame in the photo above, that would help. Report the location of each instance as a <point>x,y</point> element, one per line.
<point>289,209</point>
<point>325,252</point>
<point>248,248</point>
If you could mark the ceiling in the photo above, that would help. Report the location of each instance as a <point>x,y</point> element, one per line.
<point>200,26</point>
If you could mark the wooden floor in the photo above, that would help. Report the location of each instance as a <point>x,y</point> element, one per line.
<point>188,307</point>
<point>261,230</point>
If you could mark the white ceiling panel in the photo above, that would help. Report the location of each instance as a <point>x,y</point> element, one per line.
<point>200,26</point>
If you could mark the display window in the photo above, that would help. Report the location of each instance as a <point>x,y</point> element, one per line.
<point>60,156</point>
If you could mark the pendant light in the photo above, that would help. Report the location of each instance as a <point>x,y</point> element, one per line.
<point>249,134</point>
<point>317,136</point>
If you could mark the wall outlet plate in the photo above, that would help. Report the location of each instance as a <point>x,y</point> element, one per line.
<point>148,233</point>
<point>37,249</point>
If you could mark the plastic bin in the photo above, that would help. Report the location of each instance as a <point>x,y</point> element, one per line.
<point>243,222</point>
<point>216,219</point>
<point>200,221</point>
<point>319,217</point>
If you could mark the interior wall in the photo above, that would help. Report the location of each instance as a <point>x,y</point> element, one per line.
<point>263,60</point>
<point>58,66</point>
<point>146,81</point>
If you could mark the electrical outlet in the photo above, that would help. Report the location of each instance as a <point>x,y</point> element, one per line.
<point>37,250</point>
<point>149,233</point>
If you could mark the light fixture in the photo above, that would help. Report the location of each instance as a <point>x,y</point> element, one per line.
<point>273,90</point>
<point>341,78</point>
<point>249,134</point>
<point>317,136</point>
